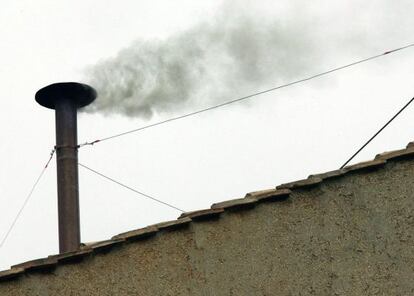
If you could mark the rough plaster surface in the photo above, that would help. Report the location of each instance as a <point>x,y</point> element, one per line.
<point>349,236</point>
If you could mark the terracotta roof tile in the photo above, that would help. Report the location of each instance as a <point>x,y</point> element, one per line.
<point>366,165</point>
<point>235,204</point>
<point>103,246</point>
<point>75,256</point>
<point>38,264</point>
<point>269,194</point>
<point>11,273</point>
<point>397,154</point>
<point>137,234</point>
<point>329,175</point>
<point>305,183</point>
<point>174,224</point>
<point>202,214</point>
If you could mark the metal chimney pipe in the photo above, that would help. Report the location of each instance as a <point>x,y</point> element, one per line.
<point>65,98</point>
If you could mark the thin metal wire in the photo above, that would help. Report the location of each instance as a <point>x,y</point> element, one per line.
<point>130,188</point>
<point>377,133</point>
<point>246,97</point>
<point>27,199</point>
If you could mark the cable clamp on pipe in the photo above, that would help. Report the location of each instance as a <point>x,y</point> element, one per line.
<point>88,143</point>
<point>65,146</point>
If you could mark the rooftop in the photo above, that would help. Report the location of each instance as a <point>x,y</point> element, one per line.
<point>281,192</point>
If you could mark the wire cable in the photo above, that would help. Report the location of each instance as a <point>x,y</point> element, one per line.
<point>27,199</point>
<point>247,97</point>
<point>377,133</point>
<point>130,188</point>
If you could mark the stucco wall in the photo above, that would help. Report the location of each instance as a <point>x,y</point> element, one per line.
<point>351,235</point>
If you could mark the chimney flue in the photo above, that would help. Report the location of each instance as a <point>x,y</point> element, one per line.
<point>65,98</point>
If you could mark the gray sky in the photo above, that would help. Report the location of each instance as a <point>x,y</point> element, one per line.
<point>242,47</point>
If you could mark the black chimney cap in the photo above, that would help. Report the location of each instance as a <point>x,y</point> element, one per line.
<point>79,93</point>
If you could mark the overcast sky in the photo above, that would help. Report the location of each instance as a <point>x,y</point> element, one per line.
<point>152,60</point>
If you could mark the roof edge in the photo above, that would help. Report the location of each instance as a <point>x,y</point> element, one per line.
<point>280,193</point>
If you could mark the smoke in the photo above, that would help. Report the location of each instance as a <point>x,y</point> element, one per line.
<point>241,51</point>
<point>209,63</point>
<point>236,54</point>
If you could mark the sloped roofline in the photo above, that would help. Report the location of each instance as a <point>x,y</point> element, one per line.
<point>251,199</point>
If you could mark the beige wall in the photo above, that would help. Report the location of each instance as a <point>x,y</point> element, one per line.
<point>351,235</point>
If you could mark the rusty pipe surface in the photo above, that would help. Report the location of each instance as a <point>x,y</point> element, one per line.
<point>65,98</point>
<point>67,175</point>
